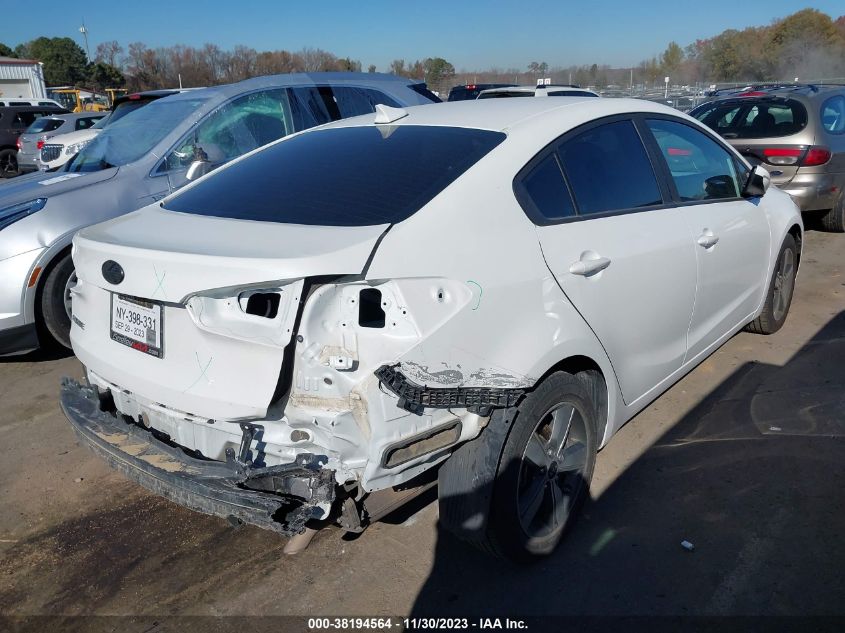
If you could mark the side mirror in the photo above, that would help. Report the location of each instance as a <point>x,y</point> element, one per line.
<point>196,169</point>
<point>757,184</point>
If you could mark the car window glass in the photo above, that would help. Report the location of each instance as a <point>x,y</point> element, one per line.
<point>319,177</point>
<point>313,106</point>
<point>85,123</point>
<point>609,170</point>
<point>571,93</point>
<point>833,115</point>
<point>131,137</point>
<point>43,125</point>
<point>354,101</point>
<point>700,167</point>
<point>547,191</point>
<point>761,118</point>
<point>235,128</point>
<point>717,117</point>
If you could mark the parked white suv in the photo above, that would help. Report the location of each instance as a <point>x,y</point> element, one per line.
<point>488,289</point>
<point>61,148</point>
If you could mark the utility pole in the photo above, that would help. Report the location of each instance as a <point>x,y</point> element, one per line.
<point>84,32</point>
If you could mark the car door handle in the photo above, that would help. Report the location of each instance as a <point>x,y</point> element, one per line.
<point>707,239</point>
<point>586,267</point>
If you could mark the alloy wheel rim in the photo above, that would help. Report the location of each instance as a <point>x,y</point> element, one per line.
<point>784,284</point>
<point>551,472</point>
<point>69,285</point>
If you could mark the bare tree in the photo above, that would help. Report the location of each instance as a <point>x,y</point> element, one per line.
<point>109,53</point>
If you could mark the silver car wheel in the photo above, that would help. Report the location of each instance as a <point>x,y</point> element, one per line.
<point>552,471</point>
<point>784,284</point>
<point>69,285</point>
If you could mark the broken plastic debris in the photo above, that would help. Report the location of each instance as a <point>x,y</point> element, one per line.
<point>78,480</point>
<point>687,546</point>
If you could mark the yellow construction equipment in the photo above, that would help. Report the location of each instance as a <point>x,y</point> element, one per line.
<point>114,93</point>
<point>72,100</point>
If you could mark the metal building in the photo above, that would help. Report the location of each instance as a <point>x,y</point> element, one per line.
<point>21,78</point>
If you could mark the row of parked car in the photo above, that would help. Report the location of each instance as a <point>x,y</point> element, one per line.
<point>295,296</point>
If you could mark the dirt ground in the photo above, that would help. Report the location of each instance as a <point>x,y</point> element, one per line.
<point>744,458</point>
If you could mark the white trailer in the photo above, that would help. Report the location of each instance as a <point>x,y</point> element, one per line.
<point>21,79</point>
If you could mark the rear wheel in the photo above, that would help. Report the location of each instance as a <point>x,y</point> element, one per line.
<point>55,302</point>
<point>8,163</point>
<point>834,220</point>
<point>545,470</point>
<point>781,289</point>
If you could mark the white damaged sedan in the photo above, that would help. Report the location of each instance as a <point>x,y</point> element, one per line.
<point>473,294</point>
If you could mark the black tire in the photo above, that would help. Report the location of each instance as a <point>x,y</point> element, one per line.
<point>834,220</point>
<point>535,503</point>
<point>780,292</point>
<point>54,318</point>
<point>8,163</point>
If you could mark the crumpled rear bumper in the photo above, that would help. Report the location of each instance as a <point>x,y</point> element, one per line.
<point>279,498</point>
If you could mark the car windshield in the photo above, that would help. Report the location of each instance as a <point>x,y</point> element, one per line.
<point>44,124</point>
<point>356,176</point>
<point>131,137</point>
<point>753,118</point>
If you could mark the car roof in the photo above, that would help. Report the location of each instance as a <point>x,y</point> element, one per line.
<point>807,91</point>
<point>510,115</point>
<point>295,79</point>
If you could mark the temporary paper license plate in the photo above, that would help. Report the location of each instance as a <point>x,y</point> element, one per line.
<point>137,323</point>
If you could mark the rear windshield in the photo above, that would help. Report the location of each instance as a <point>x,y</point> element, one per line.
<point>571,93</point>
<point>354,176</point>
<point>43,125</point>
<point>753,118</point>
<point>506,93</point>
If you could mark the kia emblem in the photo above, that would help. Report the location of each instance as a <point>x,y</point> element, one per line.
<point>112,272</point>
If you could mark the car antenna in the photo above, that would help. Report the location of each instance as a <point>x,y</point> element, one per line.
<point>386,114</point>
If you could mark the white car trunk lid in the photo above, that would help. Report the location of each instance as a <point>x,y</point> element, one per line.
<point>219,352</point>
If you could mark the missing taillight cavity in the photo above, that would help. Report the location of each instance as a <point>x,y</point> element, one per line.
<point>370,312</point>
<point>263,304</point>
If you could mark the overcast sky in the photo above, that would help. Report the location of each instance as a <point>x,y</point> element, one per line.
<point>472,35</point>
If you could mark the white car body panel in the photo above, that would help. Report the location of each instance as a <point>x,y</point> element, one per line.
<point>474,295</point>
<point>730,287</point>
<point>620,302</point>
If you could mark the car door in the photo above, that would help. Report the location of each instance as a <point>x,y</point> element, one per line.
<point>620,253</point>
<point>731,233</point>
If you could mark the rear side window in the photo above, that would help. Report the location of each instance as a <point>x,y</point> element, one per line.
<point>833,114</point>
<point>422,89</point>
<point>313,106</point>
<point>43,125</point>
<point>701,168</point>
<point>86,122</point>
<point>754,118</point>
<point>354,101</point>
<point>356,176</point>
<point>546,191</point>
<point>609,170</point>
